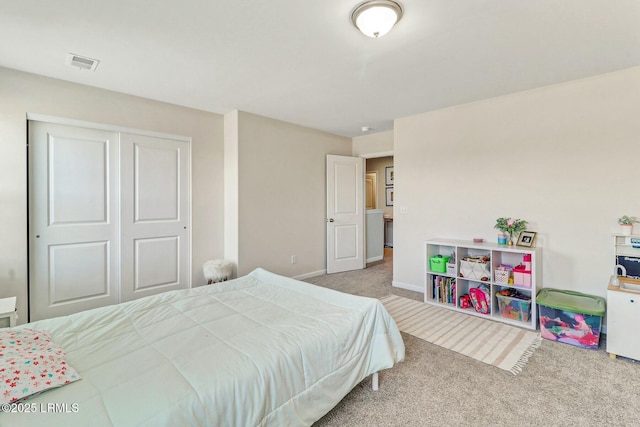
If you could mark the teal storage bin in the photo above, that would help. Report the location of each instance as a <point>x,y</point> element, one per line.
<point>438,263</point>
<point>571,317</point>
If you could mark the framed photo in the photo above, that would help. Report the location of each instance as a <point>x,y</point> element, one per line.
<point>388,176</point>
<point>389,196</point>
<point>527,239</point>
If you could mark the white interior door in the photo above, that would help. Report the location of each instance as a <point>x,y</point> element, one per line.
<point>155,215</point>
<point>73,219</point>
<point>345,214</point>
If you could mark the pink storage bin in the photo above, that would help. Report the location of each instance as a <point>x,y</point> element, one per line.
<point>521,276</point>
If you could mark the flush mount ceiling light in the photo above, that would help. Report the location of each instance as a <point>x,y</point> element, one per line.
<point>375,18</point>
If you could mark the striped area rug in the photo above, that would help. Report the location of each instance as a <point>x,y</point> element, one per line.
<point>503,346</point>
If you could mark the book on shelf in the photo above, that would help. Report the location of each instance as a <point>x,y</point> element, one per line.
<point>444,289</point>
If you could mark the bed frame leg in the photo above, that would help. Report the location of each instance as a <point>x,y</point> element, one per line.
<point>374,381</point>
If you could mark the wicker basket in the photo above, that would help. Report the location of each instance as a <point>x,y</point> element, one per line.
<point>502,276</point>
<point>475,270</point>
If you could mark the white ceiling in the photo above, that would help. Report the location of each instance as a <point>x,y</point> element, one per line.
<point>303,62</point>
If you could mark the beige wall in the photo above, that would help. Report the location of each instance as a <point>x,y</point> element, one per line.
<point>231,163</point>
<point>374,143</point>
<point>282,194</point>
<point>22,93</point>
<point>563,157</point>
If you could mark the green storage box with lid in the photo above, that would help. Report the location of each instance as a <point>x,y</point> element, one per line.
<point>571,317</point>
<point>438,263</point>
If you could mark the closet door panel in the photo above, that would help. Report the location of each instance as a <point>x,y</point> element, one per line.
<point>73,219</point>
<point>155,215</point>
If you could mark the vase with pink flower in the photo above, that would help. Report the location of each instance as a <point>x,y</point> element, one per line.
<point>511,227</point>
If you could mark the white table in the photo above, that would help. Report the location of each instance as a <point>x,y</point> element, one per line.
<point>8,310</point>
<point>623,321</point>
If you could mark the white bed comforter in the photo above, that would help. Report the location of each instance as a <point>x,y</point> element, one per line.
<point>259,350</point>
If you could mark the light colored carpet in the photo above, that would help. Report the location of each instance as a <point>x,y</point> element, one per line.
<point>562,385</point>
<point>494,343</point>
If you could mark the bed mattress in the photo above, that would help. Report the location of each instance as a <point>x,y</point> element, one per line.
<point>259,350</point>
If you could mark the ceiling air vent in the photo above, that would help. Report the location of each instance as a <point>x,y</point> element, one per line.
<point>82,62</point>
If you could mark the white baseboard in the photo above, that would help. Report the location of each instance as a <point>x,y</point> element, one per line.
<point>375,258</point>
<point>308,275</point>
<point>407,286</point>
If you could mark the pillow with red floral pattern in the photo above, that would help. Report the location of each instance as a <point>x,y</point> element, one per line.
<point>31,363</point>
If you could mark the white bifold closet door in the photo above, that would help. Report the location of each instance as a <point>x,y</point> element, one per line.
<point>108,217</point>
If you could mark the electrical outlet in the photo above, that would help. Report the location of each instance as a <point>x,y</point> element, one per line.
<point>293,259</point>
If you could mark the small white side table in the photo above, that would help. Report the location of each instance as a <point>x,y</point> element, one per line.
<point>8,310</point>
<point>623,316</point>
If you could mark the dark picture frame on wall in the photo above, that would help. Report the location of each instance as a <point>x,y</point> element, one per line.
<point>388,175</point>
<point>389,198</point>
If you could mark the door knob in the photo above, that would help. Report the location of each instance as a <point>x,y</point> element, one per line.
<point>330,220</point>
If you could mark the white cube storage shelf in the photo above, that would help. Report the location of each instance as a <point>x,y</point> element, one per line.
<point>494,281</point>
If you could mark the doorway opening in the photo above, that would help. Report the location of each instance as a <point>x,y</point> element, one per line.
<point>379,185</point>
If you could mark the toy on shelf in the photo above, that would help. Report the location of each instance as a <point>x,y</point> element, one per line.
<point>480,299</point>
<point>465,301</point>
<point>514,304</point>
